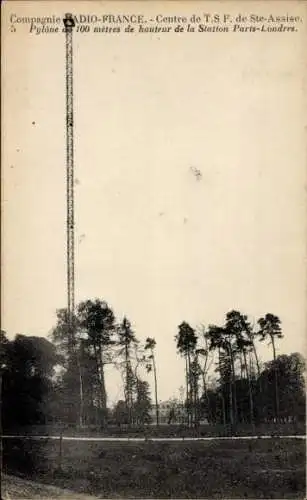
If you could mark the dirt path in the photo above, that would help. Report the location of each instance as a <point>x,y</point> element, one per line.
<point>15,488</point>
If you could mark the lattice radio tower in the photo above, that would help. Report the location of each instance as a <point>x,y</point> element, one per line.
<point>69,24</point>
<point>70,221</point>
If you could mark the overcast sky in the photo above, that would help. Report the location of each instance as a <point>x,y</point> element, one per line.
<point>190,163</point>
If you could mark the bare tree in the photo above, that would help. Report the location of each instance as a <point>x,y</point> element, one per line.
<point>150,346</point>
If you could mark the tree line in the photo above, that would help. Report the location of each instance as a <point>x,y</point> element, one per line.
<point>245,391</point>
<point>100,340</point>
<point>62,380</point>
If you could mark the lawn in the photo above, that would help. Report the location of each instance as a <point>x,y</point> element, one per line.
<point>172,430</point>
<point>270,468</point>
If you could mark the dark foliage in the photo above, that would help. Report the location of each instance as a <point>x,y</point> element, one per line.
<point>27,368</point>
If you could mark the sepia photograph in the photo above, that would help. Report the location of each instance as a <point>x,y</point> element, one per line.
<point>154,239</point>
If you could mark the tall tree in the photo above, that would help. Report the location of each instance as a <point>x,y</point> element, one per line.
<point>270,329</point>
<point>205,357</point>
<point>79,378</point>
<point>150,346</point>
<point>72,389</point>
<point>195,373</point>
<point>240,328</point>
<point>27,380</point>
<point>244,346</point>
<point>126,339</point>
<point>234,326</point>
<point>97,320</point>
<point>217,341</point>
<point>292,390</point>
<point>186,344</point>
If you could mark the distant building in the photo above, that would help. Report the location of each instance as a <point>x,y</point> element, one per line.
<point>172,412</point>
<point>169,412</point>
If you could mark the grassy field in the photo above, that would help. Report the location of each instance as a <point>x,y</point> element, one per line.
<point>270,468</point>
<point>172,430</point>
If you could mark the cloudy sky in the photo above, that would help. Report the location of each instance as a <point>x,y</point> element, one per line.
<point>190,164</point>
